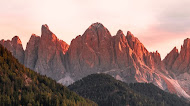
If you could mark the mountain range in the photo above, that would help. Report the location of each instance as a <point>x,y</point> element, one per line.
<point>97,51</point>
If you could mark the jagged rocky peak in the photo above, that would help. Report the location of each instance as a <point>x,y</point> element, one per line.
<point>141,52</point>
<point>47,34</point>
<point>96,31</point>
<point>187,40</point>
<point>6,43</point>
<point>15,47</point>
<point>178,63</point>
<point>12,44</point>
<point>120,33</point>
<point>185,49</point>
<point>133,41</point>
<point>31,52</point>
<point>131,38</point>
<point>170,58</point>
<point>45,27</point>
<point>172,55</point>
<point>33,39</point>
<point>121,39</point>
<point>156,57</point>
<point>16,40</point>
<point>175,50</point>
<point>34,35</point>
<point>155,54</point>
<point>50,52</point>
<point>130,35</point>
<point>186,43</point>
<point>97,25</point>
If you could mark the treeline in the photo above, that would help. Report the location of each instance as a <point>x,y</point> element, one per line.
<point>151,91</point>
<point>107,91</point>
<point>22,86</point>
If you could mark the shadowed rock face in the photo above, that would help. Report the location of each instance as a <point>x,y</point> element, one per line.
<point>31,52</point>
<point>15,46</point>
<point>170,58</point>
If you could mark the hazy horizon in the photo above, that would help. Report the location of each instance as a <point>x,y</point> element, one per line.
<point>159,25</point>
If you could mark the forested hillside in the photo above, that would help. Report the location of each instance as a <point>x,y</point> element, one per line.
<point>107,91</point>
<point>22,86</point>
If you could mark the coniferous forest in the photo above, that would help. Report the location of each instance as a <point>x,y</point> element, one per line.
<point>22,86</point>
<point>107,91</point>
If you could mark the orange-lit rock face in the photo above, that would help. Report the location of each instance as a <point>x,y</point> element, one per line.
<point>45,54</point>
<point>93,51</point>
<point>182,63</point>
<point>51,52</point>
<point>97,51</point>
<point>15,46</point>
<point>179,62</point>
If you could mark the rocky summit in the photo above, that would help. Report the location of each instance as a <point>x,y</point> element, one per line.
<point>97,51</point>
<point>15,46</point>
<point>45,54</point>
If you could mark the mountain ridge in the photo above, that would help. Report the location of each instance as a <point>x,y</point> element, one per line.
<point>97,51</point>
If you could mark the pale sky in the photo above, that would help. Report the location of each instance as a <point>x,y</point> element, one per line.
<point>158,24</point>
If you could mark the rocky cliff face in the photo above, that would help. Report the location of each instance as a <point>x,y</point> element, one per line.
<point>93,52</point>
<point>31,52</point>
<point>45,54</point>
<point>182,63</point>
<point>97,51</point>
<point>170,58</point>
<point>15,46</point>
<point>178,64</point>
